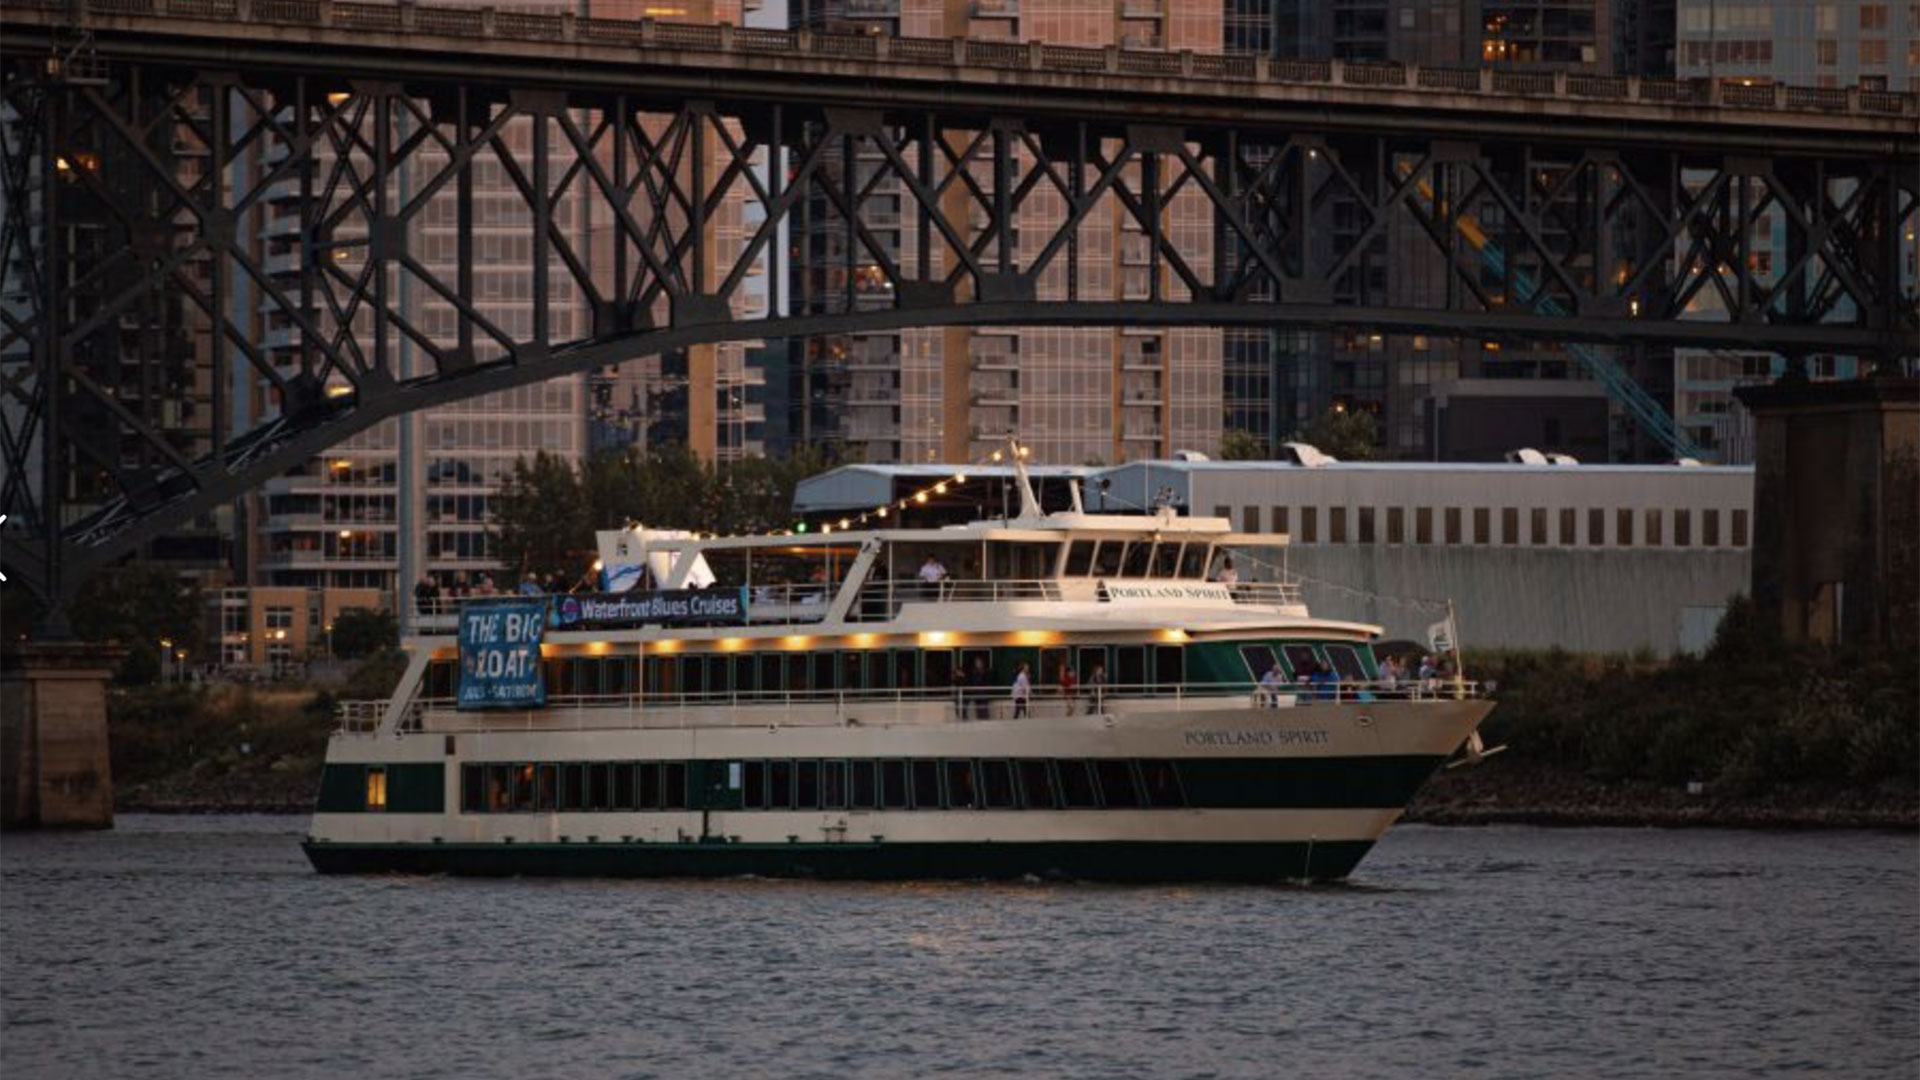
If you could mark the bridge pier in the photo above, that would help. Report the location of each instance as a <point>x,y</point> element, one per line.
<point>54,766</point>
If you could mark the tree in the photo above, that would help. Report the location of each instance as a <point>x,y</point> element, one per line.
<point>1347,434</point>
<point>542,520</point>
<point>138,607</point>
<point>1238,445</point>
<point>361,632</point>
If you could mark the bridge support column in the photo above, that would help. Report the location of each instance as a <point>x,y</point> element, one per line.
<point>54,768</point>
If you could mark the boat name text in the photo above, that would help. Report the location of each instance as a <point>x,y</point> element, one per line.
<point>1254,737</point>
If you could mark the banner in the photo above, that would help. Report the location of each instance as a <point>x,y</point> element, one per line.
<point>500,654</point>
<point>1440,636</point>
<point>666,607</point>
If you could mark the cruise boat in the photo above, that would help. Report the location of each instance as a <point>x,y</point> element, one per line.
<point>1073,695</point>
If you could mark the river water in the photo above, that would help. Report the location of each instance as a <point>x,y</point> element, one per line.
<point>205,947</point>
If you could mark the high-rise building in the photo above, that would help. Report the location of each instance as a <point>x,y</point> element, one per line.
<point>336,521</point>
<point>1821,43</point>
<point>950,394</point>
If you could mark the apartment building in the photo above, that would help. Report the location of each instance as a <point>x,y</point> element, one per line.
<point>1073,394</point>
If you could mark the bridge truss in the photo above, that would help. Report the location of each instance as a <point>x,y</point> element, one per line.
<point>252,228</point>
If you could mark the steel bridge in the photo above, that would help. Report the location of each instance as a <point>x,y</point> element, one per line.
<point>1621,211</point>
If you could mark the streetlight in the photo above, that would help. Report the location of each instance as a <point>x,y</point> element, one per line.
<point>166,653</point>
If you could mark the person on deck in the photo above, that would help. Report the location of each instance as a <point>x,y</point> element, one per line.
<point>1228,575</point>
<point>1069,686</point>
<point>1022,692</point>
<point>530,585</point>
<point>1270,684</point>
<point>1097,690</point>
<point>426,596</point>
<point>978,689</point>
<point>932,572</point>
<point>1326,685</point>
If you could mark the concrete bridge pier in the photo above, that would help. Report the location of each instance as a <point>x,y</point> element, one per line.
<point>54,766</point>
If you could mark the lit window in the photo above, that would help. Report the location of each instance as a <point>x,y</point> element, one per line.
<point>376,788</point>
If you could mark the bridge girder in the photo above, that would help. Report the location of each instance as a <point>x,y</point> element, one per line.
<point>312,192</point>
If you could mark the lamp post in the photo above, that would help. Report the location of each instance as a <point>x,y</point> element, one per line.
<point>166,657</point>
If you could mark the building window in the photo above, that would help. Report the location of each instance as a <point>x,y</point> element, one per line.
<point>1873,53</point>
<point>1710,528</point>
<point>1336,524</point>
<point>1453,524</point>
<point>1423,525</point>
<point>279,618</point>
<point>1597,527</point>
<point>376,787</point>
<point>1653,527</point>
<point>1482,525</point>
<point>1682,529</point>
<point>1569,527</point>
<point>1740,528</point>
<point>1366,525</point>
<point>1309,524</point>
<point>1396,525</point>
<point>1509,525</point>
<point>1826,52</point>
<point>1538,526</point>
<point>1250,519</point>
<point>1225,512</point>
<point>1279,517</point>
<point>1623,529</point>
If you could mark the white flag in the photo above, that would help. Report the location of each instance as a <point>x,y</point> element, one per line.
<point>1440,635</point>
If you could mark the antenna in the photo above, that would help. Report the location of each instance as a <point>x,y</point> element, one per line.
<point>1029,504</point>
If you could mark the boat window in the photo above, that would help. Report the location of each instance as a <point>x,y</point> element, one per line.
<point>499,788</point>
<point>473,787</point>
<point>1132,673</point>
<point>441,677</point>
<point>876,670</point>
<point>939,665</point>
<point>806,785</point>
<point>1036,785</point>
<point>1106,561</point>
<point>599,786</point>
<point>1080,557</point>
<point>693,675</point>
<point>865,795</point>
<point>780,784</point>
<point>823,671</point>
<point>1135,564</point>
<point>1076,786</point>
<point>893,785</point>
<point>573,787</point>
<point>1091,656</point>
<point>673,785</point>
<point>1166,559</point>
<point>1169,665</point>
<point>376,787</point>
<point>833,785</point>
<point>546,787</point>
<point>753,795</point>
<point>1193,560</point>
<point>746,674</point>
<point>960,784</point>
<point>1347,663</point>
<point>1162,784</point>
<point>523,787</point>
<point>926,784</point>
<point>1116,783</point>
<point>620,676</point>
<point>623,787</point>
<point>1259,660</point>
<point>905,664</point>
<point>996,785</point>
<point>850,669</point>
<point>649,786</point>
<point>717,675</point>
<point>1300,658</point>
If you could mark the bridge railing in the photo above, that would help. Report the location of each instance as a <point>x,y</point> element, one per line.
<point>491,23</point>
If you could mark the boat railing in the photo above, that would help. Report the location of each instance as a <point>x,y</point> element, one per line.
<point>1277,593</point>
<point>755,708</point>
<point>882,599</point>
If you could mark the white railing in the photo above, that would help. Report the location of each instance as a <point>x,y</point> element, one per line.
<point>1280,593</point>
<point>881,600</point>
<point>919,705</point>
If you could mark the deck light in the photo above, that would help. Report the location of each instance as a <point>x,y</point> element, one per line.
<point>346,534</point>
<point>880,513</point>
<point>598,566</point>
<point>940,488</point>
<point>800,528</point>
<point>995,455</point>
<point>843,524</point>
<point>921,498</point>
<point>960,478</point>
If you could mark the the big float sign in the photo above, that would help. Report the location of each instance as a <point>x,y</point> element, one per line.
<point>500,654</point>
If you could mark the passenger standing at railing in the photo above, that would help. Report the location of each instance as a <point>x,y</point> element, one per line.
<point>1270,683</point>
<point>1022,692</point>
<point>530,586</point>
<point>426,596</point>
<point>979,688</point>
<point>1428,673</point>
<point>1228,575</point>
<point>1068,685</point>
<point>1097,690</point>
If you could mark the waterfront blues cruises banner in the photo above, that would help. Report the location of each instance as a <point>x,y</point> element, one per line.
<point>665,607</point>
<point>500,654</point>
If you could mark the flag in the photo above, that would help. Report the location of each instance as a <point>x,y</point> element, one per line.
<point>1440,635</point>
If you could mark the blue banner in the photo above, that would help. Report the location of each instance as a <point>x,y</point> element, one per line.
<point>665,607</point>
<point>500,654</point>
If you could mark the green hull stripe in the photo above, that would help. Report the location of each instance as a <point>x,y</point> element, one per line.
<point>1128,861</point>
